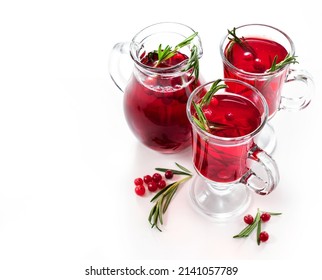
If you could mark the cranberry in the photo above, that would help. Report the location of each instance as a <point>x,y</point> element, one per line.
<point>249,219</point>
<point>147,179</point>
<point>152,186</point>
<point>265,217</point>
<point>138,181</point>
<point>168,174</point>
<point>161,184</point>
<point>248,56</point>
<point>259,66</point>
<point>140,190</point>
<point>156,177</point>
<point>263,236</point>
<point>214,101</point>
<point>229,116</point>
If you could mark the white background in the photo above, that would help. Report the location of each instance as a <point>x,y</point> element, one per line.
<point>68,159</point>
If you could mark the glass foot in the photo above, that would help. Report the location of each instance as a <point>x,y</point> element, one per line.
<point>219,202</point>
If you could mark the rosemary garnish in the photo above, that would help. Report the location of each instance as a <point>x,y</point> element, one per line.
<point>240,41</point>
<point>163,198</point>
<point>256,223</point>
<point>193,62</point>
<point>287,60</point>
<point>201,120</point>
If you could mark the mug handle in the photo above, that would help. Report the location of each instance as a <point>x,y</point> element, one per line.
<point>267,165</point>
<point>118,64</point>
<point>301,100</point>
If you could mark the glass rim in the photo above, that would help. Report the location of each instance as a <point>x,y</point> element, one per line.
<point>171,69</point>
<point>227,140</point>
<point>226,61</point>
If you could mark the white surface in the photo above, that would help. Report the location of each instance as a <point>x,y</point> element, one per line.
<point>68,159</point>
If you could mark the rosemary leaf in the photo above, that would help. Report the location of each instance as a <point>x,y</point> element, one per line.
<point>193,62</point>
<point>259,229</point>
<point>177,172</point>
<point>183,168</point>
<point>214,88</point>
<point>200,118</point>
<point>164,197</point>
<point>162,191</point>
<point>169,198</point>
<point>240,41</point>
<point>273,213</point>
<point>186,42</point>
<point>287,60</point>
<point>199,123</point>
<point>249,229</point>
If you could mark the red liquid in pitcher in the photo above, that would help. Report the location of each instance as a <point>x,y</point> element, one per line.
<point>155,106</point>
<point>257,58</point>
<point>226,163</point>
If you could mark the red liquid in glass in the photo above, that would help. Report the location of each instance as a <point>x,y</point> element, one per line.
<point>226,163</point>
<point>155,106</point>
<point>257,58</point>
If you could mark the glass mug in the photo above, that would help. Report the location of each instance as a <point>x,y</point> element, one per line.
<point>155,98</point>
<point>243,64</point>
<point>228,163</point>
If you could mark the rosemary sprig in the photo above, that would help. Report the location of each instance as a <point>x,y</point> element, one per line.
<point>240,41</point>
<point>287,60</point>
<point>168,52</point>
<point>243,43</point>
<point>200,120</point>
<point>163,198</point>
<point>249,229</point>
<point>256,223</point>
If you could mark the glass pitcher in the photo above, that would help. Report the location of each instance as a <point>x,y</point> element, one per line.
<point>155,95</point>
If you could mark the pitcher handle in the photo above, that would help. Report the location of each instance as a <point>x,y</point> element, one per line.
<point>295,103</point>
<point>255,182</point>
<point>119,64</point>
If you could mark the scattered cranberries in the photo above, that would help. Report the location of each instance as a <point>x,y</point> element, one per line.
<point>156,177</point>
<point>140,190</point>
<point>263,236</point>
<point>265,217</point>
<point>138,182</point>
<point>248,219</point>
<point>152,182</point>
<point>168,174</point>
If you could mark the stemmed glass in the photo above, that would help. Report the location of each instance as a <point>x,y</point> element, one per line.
<point>228,162</point>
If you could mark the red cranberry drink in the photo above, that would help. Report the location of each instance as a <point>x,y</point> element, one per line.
<point>226,116</point>
<point>155,106</point>
<point>229,116</point>
<point>166,71</point>
<point>258,59</point>
<point>261,55</point>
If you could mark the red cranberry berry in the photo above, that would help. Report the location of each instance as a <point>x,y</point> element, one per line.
<point>156,177</point>
<point>138,181</point>
<point>152,186</point>
<point>248,219</point>
<point>265,217</point>
<point>168,174</point>
<point>214,101</point>
<point>147,179</point>
<point>263,236</point>
<point>161,184</point>
<point>140,190</point>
